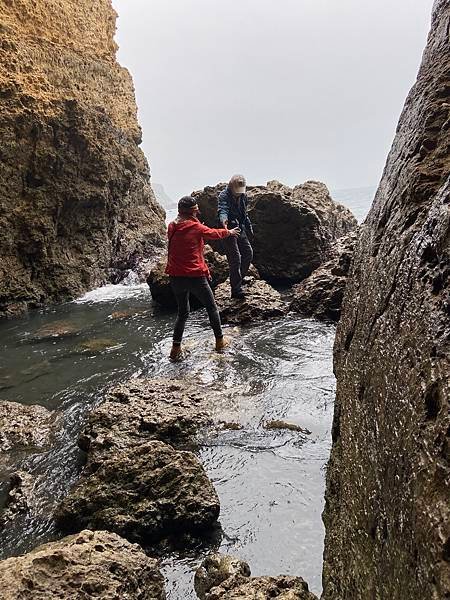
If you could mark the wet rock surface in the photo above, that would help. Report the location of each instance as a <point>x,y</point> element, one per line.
<point>146,493</point>
<point>19,499</point>
<point>134,484</point>
<point>294,227</point>
<point>387,499</point>
<point>87,565</point>
<point>320,295</point>
<point>23,429</point>
<point>262,302</point>
<point>76,205</point>
<point>225,577</point>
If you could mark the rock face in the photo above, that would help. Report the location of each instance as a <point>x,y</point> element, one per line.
<point>159,284</point>
<point>262,302</point>
<point>224,577</point>
<point>19,499</point>
<point>134,484</point>
<point>75,201</point>
<point>387,500</point>
<point>88,565</point>
<point>320,295</point>
<point>294,227</point>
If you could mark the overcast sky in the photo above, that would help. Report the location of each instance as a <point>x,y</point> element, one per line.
<point>274,89</point>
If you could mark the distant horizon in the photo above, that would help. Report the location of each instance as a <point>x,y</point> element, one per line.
<point>290,91</point>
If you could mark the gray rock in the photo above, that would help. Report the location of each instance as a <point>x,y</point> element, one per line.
<point>387,510</point>
<point>146,493</point>
<point>262,302</point>
<point>320,295</point>
<point>294,227</point>
<point>20,498</point>
<point>215,569</point>
<point>88,565</point>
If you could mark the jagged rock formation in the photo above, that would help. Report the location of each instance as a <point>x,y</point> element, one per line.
<point>387,500</point>
<point>134,484</point>
<point>224,577</point>
<point>320,295</point>
<point>19,499</point>
<point>88,565</point>
<point>75,201</point>
<point>262,302</point>
<point>294,227</point>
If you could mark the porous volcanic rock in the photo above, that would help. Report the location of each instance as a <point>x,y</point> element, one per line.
<point>387,512</point>
<point>75,199</point>
<point>133,483</point>
<point>262,302</point>
<point>19,499</point>
<point>161,290</point>
<point>143,409</point>
<point>146,493</point>
<point>91,564</point>
<point>294,227</point>
<point>23,428</point>
<point>215,569</point>
<point>320,295</point>
<point>224,577</point>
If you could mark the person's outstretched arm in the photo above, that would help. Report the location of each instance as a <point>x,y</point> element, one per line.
<point>216,234</point>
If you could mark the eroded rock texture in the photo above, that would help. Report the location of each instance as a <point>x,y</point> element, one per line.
<point>387,500</point>
<point>76,206</point>
<point>294,227</point>
<point>87,565</point>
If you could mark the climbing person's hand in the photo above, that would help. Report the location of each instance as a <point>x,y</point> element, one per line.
<point>225,224</point>
<point>234,232</point>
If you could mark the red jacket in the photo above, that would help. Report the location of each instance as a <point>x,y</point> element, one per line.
<point>186,247</point>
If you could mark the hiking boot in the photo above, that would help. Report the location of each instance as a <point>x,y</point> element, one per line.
<point>176,353</point>
<point>221,344</point>
<point>238,295</point>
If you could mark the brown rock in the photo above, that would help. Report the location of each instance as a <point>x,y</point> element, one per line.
<point>387,510</point>
<point>87,565</point>
<point>261,302</point>
<point>294,227</point>
<point>277,424</point>
<point>20,497</point>
<point>215,569</point>
<point>320,295</point>
<point>75,199</point>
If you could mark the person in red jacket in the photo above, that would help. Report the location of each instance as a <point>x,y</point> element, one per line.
<point>188,271</point>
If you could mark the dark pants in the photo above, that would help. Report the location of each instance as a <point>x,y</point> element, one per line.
<point>239,254</point>
<point>199,286</point>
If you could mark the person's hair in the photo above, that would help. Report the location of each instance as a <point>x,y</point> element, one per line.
<point>186,204</point>
<point>237,181</point>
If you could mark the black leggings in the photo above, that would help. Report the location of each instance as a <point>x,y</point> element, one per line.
<point>199,286</point>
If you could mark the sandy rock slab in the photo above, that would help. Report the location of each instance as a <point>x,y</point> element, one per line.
<point>320,295</point>
<point>146,493</point>
<point>262,302</point>
<point>87,565</point>
<point>23,429</point>
<point>225,577</point>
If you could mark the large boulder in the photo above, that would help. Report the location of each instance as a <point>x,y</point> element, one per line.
<point>76,206</point>
<point>87,565</point>
<point>262,302</point>
<point>387,511</point>
<point>161,290</point>
<point>320,295</point>
<point>147,493</point>
<point>224,577</point>
<point>134,483</point>
<point>294,227</point>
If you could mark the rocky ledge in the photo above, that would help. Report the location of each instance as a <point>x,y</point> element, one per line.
<point>320,295</point>
<point>294,227</point>
<point>134,484</point>
<point>224,577</point>
<point>88,565</point>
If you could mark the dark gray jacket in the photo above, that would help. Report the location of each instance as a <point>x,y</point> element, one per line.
<point>234,212</point>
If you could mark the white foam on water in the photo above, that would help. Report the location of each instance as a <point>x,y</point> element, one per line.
<point>108,293</point>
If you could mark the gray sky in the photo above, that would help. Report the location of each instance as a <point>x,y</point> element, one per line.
<point>275,89</point>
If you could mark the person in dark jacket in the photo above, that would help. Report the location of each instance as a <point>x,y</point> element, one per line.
<point>188,271</point>
<point>232,213</point>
